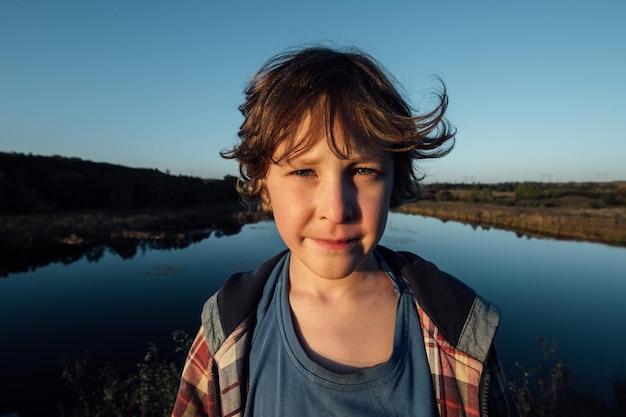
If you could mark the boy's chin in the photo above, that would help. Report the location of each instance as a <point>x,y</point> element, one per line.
<point>335,267</point>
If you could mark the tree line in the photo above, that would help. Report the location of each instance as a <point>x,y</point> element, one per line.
<point>595,194</point>
<point>31,184</point>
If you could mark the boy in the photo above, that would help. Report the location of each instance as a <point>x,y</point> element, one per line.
<point>338,325</point>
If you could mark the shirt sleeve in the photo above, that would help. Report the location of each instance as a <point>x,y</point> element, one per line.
<point>198,386</point>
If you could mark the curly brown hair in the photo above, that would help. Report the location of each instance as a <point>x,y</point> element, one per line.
<point>339,90</point>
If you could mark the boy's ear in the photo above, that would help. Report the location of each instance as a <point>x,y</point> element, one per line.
<point>266,207</point>
<point>266,202</point>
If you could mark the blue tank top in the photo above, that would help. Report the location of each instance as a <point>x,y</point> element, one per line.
<point>284,381</point>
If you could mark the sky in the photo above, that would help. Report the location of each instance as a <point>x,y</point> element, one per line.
<point>537,89</point>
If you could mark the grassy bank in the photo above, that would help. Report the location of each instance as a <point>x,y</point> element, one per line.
<point>91,227</point>
<point>605,225</point>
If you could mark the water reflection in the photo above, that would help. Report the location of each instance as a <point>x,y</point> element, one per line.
<point>124,245</point>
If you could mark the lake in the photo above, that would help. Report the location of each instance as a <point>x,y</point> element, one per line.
<point>571,293</point>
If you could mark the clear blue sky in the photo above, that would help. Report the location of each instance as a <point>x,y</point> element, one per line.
<point>537,88</point>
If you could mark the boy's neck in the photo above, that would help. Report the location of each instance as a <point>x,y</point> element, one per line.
<point>334,319</point>
<point>367,279</point>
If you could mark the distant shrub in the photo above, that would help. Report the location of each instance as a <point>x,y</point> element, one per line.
<point>477,195</point>
<point>528,191</point>
<point>444,195</point>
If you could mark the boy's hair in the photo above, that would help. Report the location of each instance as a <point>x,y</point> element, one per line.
<point>341,91</point>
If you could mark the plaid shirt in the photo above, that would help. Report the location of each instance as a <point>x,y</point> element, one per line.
<point>466,374</point>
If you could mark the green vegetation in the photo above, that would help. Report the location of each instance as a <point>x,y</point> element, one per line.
<point>147,391</point>
<point>528,191</point>
<point>570,194</point>
<point>479,195</point>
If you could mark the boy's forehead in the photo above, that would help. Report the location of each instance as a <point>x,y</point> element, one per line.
<point>311,146</point>
<point>342,138</point>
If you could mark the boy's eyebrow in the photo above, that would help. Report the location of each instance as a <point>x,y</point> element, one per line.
<point>304,160</point>
<point>360,159</point>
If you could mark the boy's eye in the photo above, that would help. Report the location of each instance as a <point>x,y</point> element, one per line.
<point>364,171</point>
<point>303,172</point>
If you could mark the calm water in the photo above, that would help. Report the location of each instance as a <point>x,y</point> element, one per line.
<point>568,292</point>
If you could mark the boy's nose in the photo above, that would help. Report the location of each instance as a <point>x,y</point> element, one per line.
<point>337,201</point>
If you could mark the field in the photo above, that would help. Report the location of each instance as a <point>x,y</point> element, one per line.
<point>605,225</point>
<point>593,212</point>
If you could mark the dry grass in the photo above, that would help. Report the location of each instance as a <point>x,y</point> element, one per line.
<point>606,225</point>
<point>92,227</point>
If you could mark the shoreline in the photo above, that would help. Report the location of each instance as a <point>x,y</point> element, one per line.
<point>98,227</point>
<point>602,225</point>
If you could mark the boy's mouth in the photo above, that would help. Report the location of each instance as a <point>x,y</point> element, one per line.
<point>336,244</point>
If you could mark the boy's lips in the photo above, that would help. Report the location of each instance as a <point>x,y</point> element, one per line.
<point>340,243</point>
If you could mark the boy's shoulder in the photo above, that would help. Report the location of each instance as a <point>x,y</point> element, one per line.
<point>455,308</point>
<point>238,297</point>
<point>425,275</point>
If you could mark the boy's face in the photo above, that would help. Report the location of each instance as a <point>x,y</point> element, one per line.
<point>331,212</point>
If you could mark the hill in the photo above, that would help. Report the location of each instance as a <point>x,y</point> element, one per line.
<point>40,184</point>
